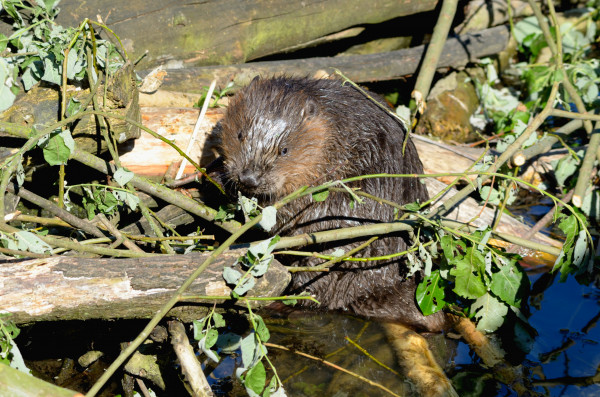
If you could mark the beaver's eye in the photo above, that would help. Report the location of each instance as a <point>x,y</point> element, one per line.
<point>240,135</point>
<point>283,151</point>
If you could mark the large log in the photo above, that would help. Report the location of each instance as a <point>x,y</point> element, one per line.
<point>67,288</point>
<point>227,31</point>
<point>458,51</point>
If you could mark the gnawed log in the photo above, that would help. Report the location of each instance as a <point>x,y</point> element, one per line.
<point>67,288</point>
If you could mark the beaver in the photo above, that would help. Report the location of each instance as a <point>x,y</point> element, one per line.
<point>281,133</point>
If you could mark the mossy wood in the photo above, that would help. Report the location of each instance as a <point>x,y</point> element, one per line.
<point>67,288</point>
<point>458,51</point>
<point>40,107</point>
<point>228,31</point>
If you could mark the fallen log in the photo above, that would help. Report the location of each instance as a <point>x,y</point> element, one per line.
<point>68,288</point>
<point>458,51</point>
<point>232,31</point>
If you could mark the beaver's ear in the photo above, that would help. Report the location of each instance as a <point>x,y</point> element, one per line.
<point>310,109</point>
<point>254,80</point>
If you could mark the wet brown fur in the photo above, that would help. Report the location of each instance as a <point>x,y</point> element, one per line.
<point>280,134</point>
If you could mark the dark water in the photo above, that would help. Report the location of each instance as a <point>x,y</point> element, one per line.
<point>560,360</point>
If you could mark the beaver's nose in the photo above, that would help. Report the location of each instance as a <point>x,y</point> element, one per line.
<point>250,178</point>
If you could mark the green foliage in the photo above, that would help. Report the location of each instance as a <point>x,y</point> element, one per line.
<point>104,199</point>
<point>57,146</point>
<point>205,332</point>
<point>9,352</point>
<point>24,241</point>
<point>39,47</point>
<point>254,264</point>
<point>475,276</point>
<point>575,256</point>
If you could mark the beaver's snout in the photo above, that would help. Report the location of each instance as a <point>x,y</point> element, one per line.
<point>250,179</point>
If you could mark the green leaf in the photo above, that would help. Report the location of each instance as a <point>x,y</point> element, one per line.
<point>490,313</point>
<point>246,285</point>
<point>218,320</point>
<point>211,337</point>
<point>198,327</point>
<point>570,227</point>
<point>7,97</point>
<point>128,198</point>
<point>52,70</point>
<point>27,241</point>
<point>231,275</point>
<point>250,351</point>
<point>261,329</point>
<point>320,196</point>
<point>510,284</point>
<point>467,273</point>
<point>527,27</point>
<point>73,106</point>
<point>430,294</point>
<point>206,350</point>
<point>57,148</point>
<point>256,377</point>
<point>565,167</point>
<point>123,176</point>
<point>269,218</point>
<point>228,342</point>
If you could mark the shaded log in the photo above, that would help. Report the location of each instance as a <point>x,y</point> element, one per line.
<point>67,288</point>
<point>228,31</point>
<point>458,51</point>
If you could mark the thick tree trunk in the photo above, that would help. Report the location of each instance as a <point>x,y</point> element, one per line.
<point>228,31</point>
<point>458,51</point>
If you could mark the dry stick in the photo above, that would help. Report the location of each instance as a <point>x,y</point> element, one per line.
<point>504,157</point>
<point>197,127</point>
<point>332,365</point>
<point>41,220</point>
<point>575,115</point>
<point>434,49</point>
<point>24,254</point>
<point>585,171</point>
<point>65,215</point>
<point>98,164</point>
<point>545,144</point>
<point>118,235</point>
<point>176,296</point>
<point>190,367</point>
<point>72,245</point>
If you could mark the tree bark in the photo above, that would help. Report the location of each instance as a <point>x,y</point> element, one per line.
<point>67,288</point>
<point>227,31</point>
<point>458,51</point>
